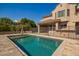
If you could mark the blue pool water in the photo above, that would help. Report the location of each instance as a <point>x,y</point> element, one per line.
<point>37,46</point>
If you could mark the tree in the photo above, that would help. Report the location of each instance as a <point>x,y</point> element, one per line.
<point>5,24</point>
<point>6,21</point>
<point>27,24</point>
<point>31,23</point>
<point>24,21</point>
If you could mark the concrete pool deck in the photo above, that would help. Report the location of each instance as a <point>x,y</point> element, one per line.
<point>69,47</point>
<point>7,48</point>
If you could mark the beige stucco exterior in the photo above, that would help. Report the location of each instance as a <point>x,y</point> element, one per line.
<point>71,20</point>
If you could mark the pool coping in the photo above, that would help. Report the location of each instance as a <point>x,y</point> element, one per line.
<point>59,47</point>
<point>24,54</point>
<point>56,51</point>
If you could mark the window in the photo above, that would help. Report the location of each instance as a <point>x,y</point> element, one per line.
<point>68,12</point>
<point>62,25</point>
<point>61,13</point>
<point>77,8</point>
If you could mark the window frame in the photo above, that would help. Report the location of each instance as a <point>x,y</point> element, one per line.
<point>61,13</point>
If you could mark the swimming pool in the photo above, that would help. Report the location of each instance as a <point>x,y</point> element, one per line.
<point>36,46</point>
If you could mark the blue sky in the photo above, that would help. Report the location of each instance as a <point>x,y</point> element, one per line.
<point>33,11</point>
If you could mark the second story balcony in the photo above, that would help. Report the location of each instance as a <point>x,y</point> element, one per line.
<point>48,20</point>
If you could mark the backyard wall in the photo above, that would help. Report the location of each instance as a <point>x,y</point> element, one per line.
<point>72,35</point>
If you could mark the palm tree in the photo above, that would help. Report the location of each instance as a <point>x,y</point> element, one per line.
<point>23,22</point>
<point>26,24</point>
